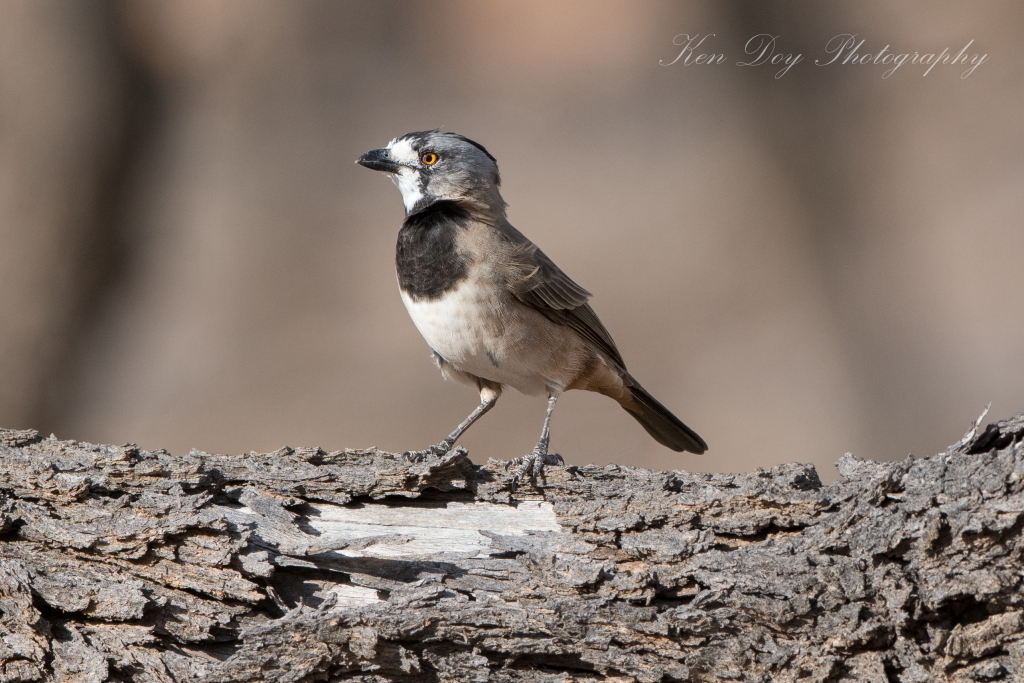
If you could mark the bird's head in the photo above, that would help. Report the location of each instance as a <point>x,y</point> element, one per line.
<point>432,166</point>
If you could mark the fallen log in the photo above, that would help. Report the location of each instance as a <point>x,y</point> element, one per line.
<point>119,564</point>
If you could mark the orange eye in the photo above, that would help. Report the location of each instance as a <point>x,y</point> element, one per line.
<point>429,158</point>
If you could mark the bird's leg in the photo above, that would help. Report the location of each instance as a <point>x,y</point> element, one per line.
<point>487,401</point>
<point>533,464</point>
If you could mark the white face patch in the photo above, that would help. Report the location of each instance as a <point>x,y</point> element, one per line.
<point>408,182</point>
<point>407,179</point>
<point>402,151</point>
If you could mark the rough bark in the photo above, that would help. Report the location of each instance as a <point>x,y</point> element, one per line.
<point>118,564</point>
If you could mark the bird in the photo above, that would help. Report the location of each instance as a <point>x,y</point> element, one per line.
<point>494,309</point>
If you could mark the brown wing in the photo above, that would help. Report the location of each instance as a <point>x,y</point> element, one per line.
<point>542,285</point>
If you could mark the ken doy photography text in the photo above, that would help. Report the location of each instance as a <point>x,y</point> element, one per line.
<point>845,49</point>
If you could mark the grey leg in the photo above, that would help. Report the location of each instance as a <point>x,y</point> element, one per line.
<point>487,402</point>
<point>533,464</point>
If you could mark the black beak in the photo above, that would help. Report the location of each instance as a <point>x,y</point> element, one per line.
<point>378,160</point>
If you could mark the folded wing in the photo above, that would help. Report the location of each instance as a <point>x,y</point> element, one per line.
<point>542,285</point>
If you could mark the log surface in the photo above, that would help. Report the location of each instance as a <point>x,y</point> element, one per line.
<point>118,564</point>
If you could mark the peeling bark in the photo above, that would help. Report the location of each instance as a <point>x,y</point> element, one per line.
<point>118,564</point>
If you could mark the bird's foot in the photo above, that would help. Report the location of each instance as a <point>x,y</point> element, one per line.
<point>439,450</point>
<point>532,465</point>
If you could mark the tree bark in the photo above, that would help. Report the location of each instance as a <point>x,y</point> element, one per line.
<point>118,564</point>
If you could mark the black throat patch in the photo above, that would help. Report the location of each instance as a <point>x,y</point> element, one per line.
<point>427,257</point>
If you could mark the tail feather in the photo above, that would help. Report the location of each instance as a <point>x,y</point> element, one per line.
<point>666,428</point>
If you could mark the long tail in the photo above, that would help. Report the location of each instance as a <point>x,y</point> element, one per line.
<point>666,428</point>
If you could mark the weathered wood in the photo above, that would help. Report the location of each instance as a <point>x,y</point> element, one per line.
<point>118,564</point>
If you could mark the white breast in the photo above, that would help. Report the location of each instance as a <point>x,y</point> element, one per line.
<point>477,332</point>
<point>458,326</point>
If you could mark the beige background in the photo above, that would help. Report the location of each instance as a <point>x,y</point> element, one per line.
<point>801,267</point>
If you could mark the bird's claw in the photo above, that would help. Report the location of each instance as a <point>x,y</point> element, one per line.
<point>440,449</point>
<point>532,464</point>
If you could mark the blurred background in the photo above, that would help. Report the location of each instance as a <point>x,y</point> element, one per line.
<point>798,267</point>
